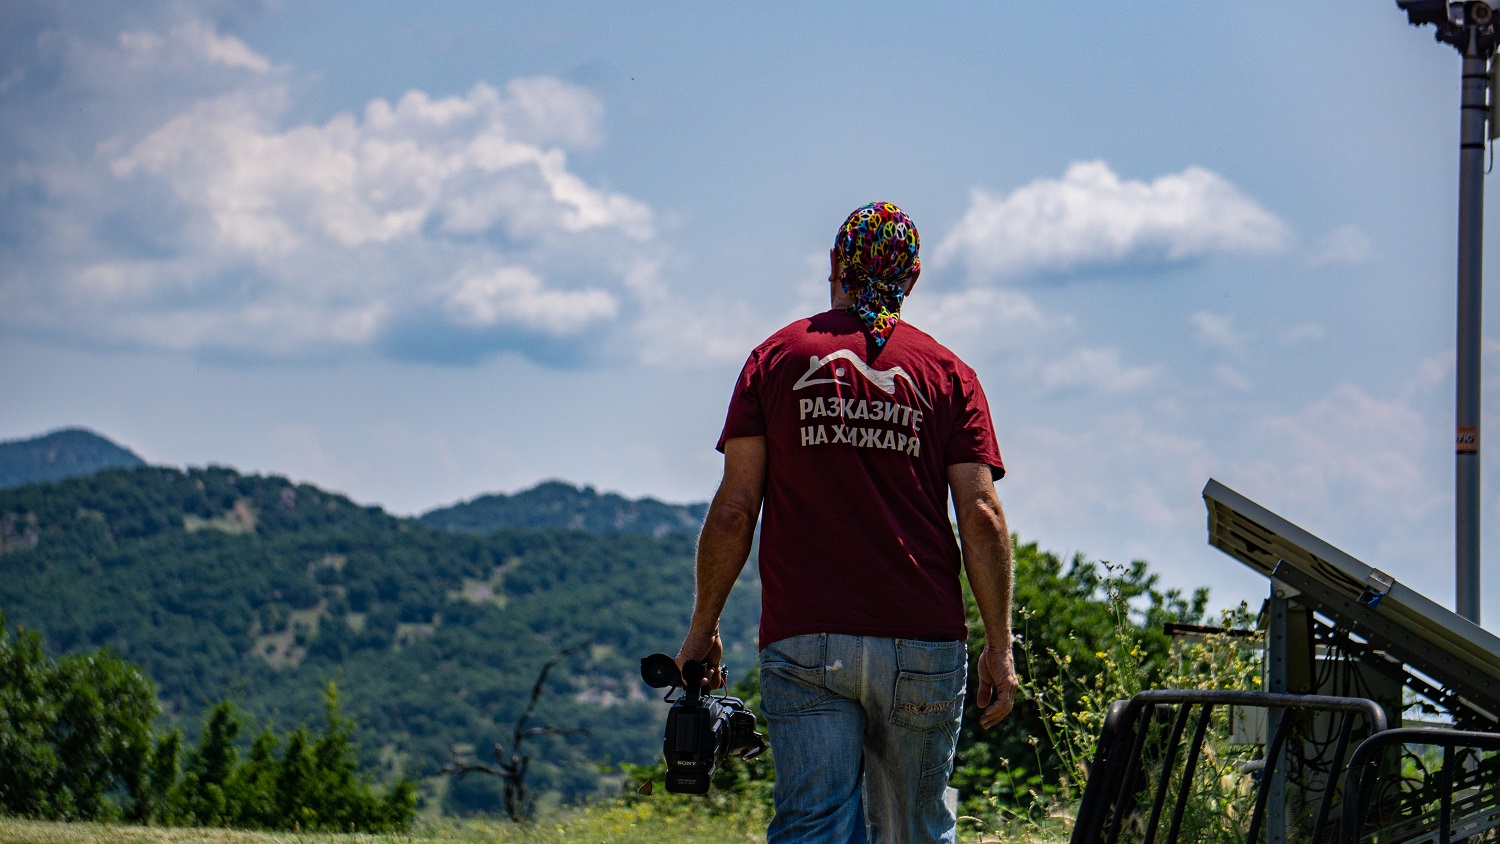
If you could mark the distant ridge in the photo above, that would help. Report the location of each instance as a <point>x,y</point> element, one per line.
<point>69,453</point>
<point>559,504</point>
<point>225,584</point>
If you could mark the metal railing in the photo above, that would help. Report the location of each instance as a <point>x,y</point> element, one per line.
<point>1118,777</point>
<point>1468,787</point>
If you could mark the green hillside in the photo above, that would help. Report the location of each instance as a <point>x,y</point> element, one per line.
<point>221,584</point>
<point>68,453</point>
<point>558,504</point>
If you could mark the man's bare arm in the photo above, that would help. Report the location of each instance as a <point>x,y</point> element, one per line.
<point>723,547</point>
<point>985,539</point>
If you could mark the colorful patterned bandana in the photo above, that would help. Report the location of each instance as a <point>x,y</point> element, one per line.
<point>877,248</point>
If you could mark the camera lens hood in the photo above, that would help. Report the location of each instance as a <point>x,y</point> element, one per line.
<point>660,671</point>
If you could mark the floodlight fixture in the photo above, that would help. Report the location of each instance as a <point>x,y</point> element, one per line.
<point>1419,12</point>
<point>1455,23</point>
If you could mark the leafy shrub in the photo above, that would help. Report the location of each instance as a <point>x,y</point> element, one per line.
<point>311,784</point>
<point>76,744</point>
<point>75,732</point>
<point>1070,678</point>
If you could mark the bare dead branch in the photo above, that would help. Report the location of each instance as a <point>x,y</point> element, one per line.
<point>511,766</point>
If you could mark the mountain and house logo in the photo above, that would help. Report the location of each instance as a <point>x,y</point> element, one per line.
<point>885,379</point>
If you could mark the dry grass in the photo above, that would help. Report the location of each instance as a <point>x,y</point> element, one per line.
<point>50,832</point>
<point>613,824</point>
<point>640,824</point>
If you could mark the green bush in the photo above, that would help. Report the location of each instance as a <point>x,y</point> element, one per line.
<point>1067,621</point>
<point>306,781</point>
<point>75,732</point>
<point>1103,642</point>
<point>76,743</point>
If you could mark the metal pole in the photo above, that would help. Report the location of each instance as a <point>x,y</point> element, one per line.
<point>1471,28</point>
<point>1278,661</point>
<point>1470,311</point>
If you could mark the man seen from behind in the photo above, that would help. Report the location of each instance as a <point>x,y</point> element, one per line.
<point>847,432</point>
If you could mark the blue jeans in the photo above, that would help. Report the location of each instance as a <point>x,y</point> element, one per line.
<point>863,729</point>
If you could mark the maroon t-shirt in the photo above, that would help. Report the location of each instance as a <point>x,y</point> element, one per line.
<point>855,536</point>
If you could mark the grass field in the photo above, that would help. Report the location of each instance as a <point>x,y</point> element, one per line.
<point>640,824</point>
<point>613,824</point>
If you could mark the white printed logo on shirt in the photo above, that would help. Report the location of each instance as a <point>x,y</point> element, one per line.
<point>847,410</point>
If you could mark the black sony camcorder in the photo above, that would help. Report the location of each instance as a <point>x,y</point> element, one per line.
<point>702,730</point>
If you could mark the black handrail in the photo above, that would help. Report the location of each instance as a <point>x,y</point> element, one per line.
<point>1110,791</point>
<point>1093,806</point>
<point>1363,770</point>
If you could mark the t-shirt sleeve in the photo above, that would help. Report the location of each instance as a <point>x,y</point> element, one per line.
<point>973,437</point>
<point>746,418</point>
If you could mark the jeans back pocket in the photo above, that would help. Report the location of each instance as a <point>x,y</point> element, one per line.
<point>929,684</point>
<point>791,675</point>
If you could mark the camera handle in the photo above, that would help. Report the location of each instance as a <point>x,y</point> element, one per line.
<point>660,671</point>
<point>693,672</point>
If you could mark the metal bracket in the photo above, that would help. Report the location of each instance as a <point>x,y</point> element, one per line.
<point>1376,587</point>
<point>1282,589</point>
<point>1481,693</point>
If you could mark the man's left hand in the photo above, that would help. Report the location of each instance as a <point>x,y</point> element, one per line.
<point>997,685</point>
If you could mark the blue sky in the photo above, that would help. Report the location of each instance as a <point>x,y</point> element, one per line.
<point>418,252</point>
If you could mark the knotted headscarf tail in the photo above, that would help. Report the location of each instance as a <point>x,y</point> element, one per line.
<point>877,247</point>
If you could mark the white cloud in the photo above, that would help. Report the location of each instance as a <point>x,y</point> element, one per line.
<point>1120,470</point>
<point>1344,246</point>
<point>1231,378</point>
<point>1352,447</point>
<point>1093,218</point>
<point>974,323</point>
<point>1366,473</point>
<point>705,333</point>
<point>1305,332</point>
<point>222,49</point>
<point>192,43</point>
<point>1098,370</point>
<point>516,295</point>
<point>979,321</point>
<point>222,226</point>
<point>1218,332</point>
<point>1434,370</point>
<point>450,164</point>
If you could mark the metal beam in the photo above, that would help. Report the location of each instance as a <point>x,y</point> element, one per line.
<point>1478,694</point>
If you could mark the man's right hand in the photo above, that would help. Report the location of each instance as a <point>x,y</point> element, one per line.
<point>706,648</point>
<point>997,684</point>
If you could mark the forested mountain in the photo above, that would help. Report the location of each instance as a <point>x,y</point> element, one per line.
<point>558,504</point>
<point>68,453</point>
<point>221,584</point>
